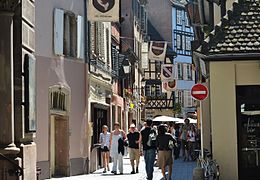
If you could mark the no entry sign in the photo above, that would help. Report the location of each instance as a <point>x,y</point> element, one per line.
<point>199,92</point>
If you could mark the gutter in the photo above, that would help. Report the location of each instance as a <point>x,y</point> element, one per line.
<point>232,57</point>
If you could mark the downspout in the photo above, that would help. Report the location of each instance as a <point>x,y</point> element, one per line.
<point>86,67</point>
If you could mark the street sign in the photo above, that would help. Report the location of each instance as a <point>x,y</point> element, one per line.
<point>199,92</point>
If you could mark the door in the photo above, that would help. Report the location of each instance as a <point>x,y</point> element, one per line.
<point>248,122</point>
<point>61,146</point>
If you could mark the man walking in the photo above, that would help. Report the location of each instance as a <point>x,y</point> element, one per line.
<point>133,147</point>
<point>148,140</point>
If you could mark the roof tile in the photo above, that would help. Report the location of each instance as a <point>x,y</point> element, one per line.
<point>238,32</point>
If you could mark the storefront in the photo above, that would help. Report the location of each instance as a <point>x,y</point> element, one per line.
<point>235,118</point>
<point>100,94</point>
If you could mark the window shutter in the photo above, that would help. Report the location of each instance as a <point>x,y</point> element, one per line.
<point>186,98</point>
<point>80,37</point>
<point>92,37</point>
<point>102,40</point>
<point>58,31</point>
<point>185,75</point>
<point>115,60</point>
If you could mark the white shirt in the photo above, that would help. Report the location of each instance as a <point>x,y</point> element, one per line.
<point>192,137</point>
<point>104,139</point>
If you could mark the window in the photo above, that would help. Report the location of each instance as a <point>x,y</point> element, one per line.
<point>147,90</point>
<point>188,43</point>
<point>107,44</point>
<point>183,42</point>
<point>68,34</point>
<point>59,99</point>
<point>180,71</point>
<point>99,40</point>
<point>189,72</point>
<point>186,19</point>
<point>153,90</point>
<point>179,17</point>
<point>178,42</point>
<point>188,101</point>
<point>158,90</point>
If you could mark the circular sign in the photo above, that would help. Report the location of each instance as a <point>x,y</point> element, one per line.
<point>199,92</point>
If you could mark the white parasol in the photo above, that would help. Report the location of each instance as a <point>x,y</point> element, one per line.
<point>166,119</point>
<point>192,121</point>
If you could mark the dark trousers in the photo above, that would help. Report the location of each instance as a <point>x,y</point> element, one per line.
<point>149,158</point>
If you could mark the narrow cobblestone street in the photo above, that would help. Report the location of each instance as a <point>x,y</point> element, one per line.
<point>181,171</point>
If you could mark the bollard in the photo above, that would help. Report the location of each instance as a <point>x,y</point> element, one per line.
<point>198,173</point>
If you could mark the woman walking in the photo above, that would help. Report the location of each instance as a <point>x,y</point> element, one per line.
<point>191,138</point>
<point>105,143</point>
<point>165,143</point>
<point>117,139</point>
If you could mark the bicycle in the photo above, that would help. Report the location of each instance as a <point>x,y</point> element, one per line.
<point>210,166</point>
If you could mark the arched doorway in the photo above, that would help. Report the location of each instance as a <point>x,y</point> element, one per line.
<point>59,105</point>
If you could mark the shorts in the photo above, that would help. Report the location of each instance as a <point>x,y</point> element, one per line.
<point>105,149</point>
<point>134,154</point>
<point>165,158</point>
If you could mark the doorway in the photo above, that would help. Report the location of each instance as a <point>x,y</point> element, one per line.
<point>100,117</point>
<point>248,128</point>
<point>59,154</point>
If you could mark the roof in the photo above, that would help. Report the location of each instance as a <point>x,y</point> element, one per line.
<point>156,36</point>
<point>238,33</point>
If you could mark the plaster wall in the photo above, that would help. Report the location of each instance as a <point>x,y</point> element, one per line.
<point>52,72</point>
<point>224,76</point>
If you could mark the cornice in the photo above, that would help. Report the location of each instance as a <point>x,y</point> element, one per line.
<point>8,5</point>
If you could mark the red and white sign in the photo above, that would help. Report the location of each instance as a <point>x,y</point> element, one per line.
<point>199,92</point>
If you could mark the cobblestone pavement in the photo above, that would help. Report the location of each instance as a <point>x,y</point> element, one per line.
<point>181,171</point>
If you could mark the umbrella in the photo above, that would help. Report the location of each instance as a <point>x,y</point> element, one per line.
<point>166,119</point>
<point>192,121</point>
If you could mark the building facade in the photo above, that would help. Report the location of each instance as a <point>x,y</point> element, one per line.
<point>182,34</point>
<point>159,102</point>
<point>133,34</point>
<point>230,53</point>
<point>17,86</point>
<point>100,86</point>
<point>62,87</point>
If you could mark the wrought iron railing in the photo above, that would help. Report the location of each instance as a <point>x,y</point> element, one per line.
<point>99,64</point>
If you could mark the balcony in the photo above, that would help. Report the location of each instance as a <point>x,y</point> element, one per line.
<point>102,66</point>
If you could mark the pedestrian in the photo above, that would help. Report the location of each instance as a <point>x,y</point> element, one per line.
<point>117,138</point>
<point>148,140</point>
<point>165,143</point>
<point>176,136</point>
<point>191,138</point>
<point>183,136</point>
<point>105,143</point>
<point>134,148</point>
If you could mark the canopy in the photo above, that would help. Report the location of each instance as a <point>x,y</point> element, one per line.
<point>166,119</point>
<point>192,121</point>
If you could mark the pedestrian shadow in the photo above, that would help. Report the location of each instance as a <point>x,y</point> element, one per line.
<point>111,174</point>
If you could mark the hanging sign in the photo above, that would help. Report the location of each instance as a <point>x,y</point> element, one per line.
<point>167,72</point>
<point>170,85</point>
<point>144,60</point>
<point>103,10</point>
<point>157,50</point>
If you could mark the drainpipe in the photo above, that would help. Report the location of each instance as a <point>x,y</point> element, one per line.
<point>86,67</point>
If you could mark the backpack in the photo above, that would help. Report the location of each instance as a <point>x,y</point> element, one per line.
<point>151,139</point>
